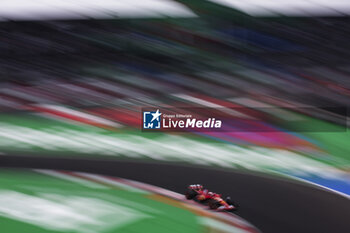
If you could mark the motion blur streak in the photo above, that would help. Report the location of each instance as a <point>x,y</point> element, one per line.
<point>78,77</point>
<point>88,9</point>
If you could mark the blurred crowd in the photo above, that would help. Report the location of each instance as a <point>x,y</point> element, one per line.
<point>221,55</point>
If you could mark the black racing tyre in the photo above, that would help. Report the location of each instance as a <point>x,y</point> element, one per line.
<point>230,202</point>
<point>213,204</point>
<point>190,194</point>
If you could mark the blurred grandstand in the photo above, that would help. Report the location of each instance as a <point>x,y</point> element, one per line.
<point>87,63</point>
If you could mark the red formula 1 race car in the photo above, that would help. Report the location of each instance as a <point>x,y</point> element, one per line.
<point>213,200</point>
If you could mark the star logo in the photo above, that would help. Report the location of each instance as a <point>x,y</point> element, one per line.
<point>156,115</point>
<point>151,120</point>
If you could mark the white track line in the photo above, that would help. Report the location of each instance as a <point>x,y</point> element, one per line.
<point>318,185</point>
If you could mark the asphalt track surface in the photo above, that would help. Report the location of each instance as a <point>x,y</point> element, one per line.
<point>272,204</point>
